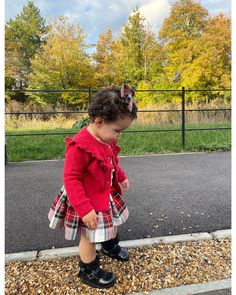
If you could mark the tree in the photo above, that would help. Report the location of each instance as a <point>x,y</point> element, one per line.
<point>104,57</point>
<point>185,24</point>
<point>23,37</point>
<point>137,39</point>
<point>12,67</point>
<point>129,56</point>
<point>211,68</point>
<point>62,63</point>
<point>187,21</point>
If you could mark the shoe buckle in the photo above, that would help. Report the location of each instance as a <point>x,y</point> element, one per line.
<point>91,276</point>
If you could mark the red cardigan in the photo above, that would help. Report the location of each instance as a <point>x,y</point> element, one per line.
<point>87,172</point>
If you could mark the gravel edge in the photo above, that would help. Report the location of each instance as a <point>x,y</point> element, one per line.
<point>72,251</point>
<point>192,289</point>
<point>180,290</point>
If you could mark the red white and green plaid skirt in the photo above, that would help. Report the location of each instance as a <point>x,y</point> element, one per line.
<point>62,215</point>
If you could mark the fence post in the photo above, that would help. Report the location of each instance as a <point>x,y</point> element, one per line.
<point>183,117</point>
<point>89,89</point>
<point>6,160</point>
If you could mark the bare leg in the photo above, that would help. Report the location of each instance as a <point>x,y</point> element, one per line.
<point>87,250</point>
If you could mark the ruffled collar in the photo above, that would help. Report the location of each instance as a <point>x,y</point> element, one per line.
<point>87,142</point>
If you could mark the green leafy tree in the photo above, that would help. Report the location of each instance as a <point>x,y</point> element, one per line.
<point>62,63</point>
<point>129,56</point>
<point>12,68</point>
<point>104,57</point>
<point>23,37</point>
<point>136,39</point>
<point>133,39</point>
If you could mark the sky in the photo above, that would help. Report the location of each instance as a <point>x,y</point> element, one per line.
<point>95,16</point>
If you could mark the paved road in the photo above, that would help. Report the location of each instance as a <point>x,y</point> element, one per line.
<point>169,195</point>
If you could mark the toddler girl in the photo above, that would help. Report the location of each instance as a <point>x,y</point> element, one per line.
<point>90,201</point>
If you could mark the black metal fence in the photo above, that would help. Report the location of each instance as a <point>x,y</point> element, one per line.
<point>183,111</point>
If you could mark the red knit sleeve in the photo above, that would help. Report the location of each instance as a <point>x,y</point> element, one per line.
<point>75,162</point>
<point>120,174</point>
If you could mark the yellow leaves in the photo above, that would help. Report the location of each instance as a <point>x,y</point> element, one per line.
<point>187,19</point>
<point>193,50</point>
<point>197,49</point>
<point>62,63</point>
<point>104,57</point>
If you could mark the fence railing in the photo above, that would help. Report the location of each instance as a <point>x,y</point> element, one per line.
<point>182,92</point>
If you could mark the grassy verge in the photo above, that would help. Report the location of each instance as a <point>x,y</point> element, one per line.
<point>45,147</point>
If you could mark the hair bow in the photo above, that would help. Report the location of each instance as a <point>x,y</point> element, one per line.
<point>127,94</point>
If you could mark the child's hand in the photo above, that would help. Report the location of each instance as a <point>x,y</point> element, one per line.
<point>125,185</point>
<point>90,220</point>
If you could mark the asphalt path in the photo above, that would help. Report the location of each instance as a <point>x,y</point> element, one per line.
<point>169,195</point>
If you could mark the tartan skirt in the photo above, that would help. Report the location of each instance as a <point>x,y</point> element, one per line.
<point>62,215</point>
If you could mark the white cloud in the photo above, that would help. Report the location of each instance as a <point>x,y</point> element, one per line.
<point>95,16</point>
<point>155,12</point>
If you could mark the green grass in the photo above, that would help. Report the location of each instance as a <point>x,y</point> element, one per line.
<point>22,148</point>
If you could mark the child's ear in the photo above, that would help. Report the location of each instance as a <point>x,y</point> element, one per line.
<point>99,122</point>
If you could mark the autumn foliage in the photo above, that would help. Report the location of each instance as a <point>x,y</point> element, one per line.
<point>192,49</point>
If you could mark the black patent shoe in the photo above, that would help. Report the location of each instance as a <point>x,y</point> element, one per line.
<point>92,275</point>
<point>117,252</point>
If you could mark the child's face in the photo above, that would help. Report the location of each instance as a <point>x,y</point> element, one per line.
<point>109,132</point>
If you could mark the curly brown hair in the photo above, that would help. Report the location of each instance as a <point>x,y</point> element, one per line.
<point>110,106</point>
